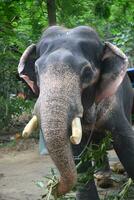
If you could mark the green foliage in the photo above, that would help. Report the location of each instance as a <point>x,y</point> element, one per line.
<point>96,153</point>
<point>12,107</point>
<point>20,25</point>
<point>10,144</point>
<point>125,193</point>
<point>102,9</point>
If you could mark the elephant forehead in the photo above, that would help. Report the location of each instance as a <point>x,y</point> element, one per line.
<point>62,61</point>
<point>59,32</point>
<point>80,41</point>
<point>74,47</point>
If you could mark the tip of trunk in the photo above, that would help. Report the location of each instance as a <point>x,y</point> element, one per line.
<point>65,185</point>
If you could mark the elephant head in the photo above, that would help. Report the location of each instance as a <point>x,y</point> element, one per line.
<point>67,69</point>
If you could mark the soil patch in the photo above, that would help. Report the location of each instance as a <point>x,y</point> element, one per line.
<point>21,167</point>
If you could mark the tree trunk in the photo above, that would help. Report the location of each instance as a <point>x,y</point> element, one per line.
<point>51,9</point>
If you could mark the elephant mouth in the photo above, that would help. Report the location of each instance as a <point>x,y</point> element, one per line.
<point>75,138</point>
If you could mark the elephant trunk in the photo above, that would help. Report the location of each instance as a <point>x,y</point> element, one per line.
<point>60,103</point>
<point>54,123</point>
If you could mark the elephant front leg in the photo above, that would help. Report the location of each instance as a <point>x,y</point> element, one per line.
<point>86,189</point>
<point>87,192</point>
<point>123,143</point>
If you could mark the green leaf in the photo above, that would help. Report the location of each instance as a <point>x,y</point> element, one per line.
<point>40,184</point>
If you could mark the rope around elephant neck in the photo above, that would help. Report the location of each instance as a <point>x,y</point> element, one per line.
<point>90,137</point>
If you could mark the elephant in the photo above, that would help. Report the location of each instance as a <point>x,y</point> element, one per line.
<point>76,75</point>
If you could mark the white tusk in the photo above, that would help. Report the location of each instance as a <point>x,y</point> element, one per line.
<point>30,127</point>
<point>76,131</point>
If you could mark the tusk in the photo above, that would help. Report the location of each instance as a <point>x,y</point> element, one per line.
<point>76,131</point>
<point>30,127</point>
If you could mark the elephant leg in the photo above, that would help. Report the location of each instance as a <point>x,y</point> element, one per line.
<point>123,143</point>
<point>88,190</point>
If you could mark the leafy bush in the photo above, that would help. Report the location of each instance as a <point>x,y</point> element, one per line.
<point>13,107</point>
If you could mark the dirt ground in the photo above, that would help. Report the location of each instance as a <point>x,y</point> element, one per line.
<point>21,167</point>
<point>19,173</point>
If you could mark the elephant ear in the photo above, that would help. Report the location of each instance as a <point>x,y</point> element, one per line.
<point>26,67</point>
<point>113,69</point>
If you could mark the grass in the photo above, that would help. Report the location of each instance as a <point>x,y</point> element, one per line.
<point>9,144</point>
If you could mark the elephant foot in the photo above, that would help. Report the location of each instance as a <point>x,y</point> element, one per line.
<point>102,174</point>
<point>87,192</point>
<point>118,168</point>
<point>105,183</point>
<point>103,178</point>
